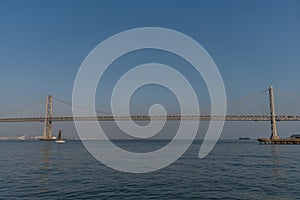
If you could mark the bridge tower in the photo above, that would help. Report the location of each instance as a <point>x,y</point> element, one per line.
<point>48,121</point>
<point>273,115</point>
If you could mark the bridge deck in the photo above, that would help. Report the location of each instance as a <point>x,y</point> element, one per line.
<point>155,118</point>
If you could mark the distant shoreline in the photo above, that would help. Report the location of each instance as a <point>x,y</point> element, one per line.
<point>99,139</point>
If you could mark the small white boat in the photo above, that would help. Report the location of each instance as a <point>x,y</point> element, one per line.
<point>60,140</point>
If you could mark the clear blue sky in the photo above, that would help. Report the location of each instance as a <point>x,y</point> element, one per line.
<point>42,43</point>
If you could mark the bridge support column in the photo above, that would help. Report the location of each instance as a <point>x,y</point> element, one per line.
<point>48,121</point>
<point>273,115</point>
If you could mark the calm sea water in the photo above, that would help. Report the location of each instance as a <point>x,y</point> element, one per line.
<point>233,170</point>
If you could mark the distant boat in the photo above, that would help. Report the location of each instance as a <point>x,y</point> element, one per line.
<point>60,140</point>
<point>295,136</point>
<point>23,137</point>
<point>244,138</point>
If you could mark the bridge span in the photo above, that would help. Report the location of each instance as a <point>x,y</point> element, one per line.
<point>156,118</point>
<point>49,118</point>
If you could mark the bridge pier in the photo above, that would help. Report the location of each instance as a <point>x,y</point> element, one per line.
<point>47,135</point>
<point>274,134</point>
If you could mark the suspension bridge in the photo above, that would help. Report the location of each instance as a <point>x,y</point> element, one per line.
<point>49,118</point>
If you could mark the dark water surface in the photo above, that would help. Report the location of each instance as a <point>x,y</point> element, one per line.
<point>233,170</point>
